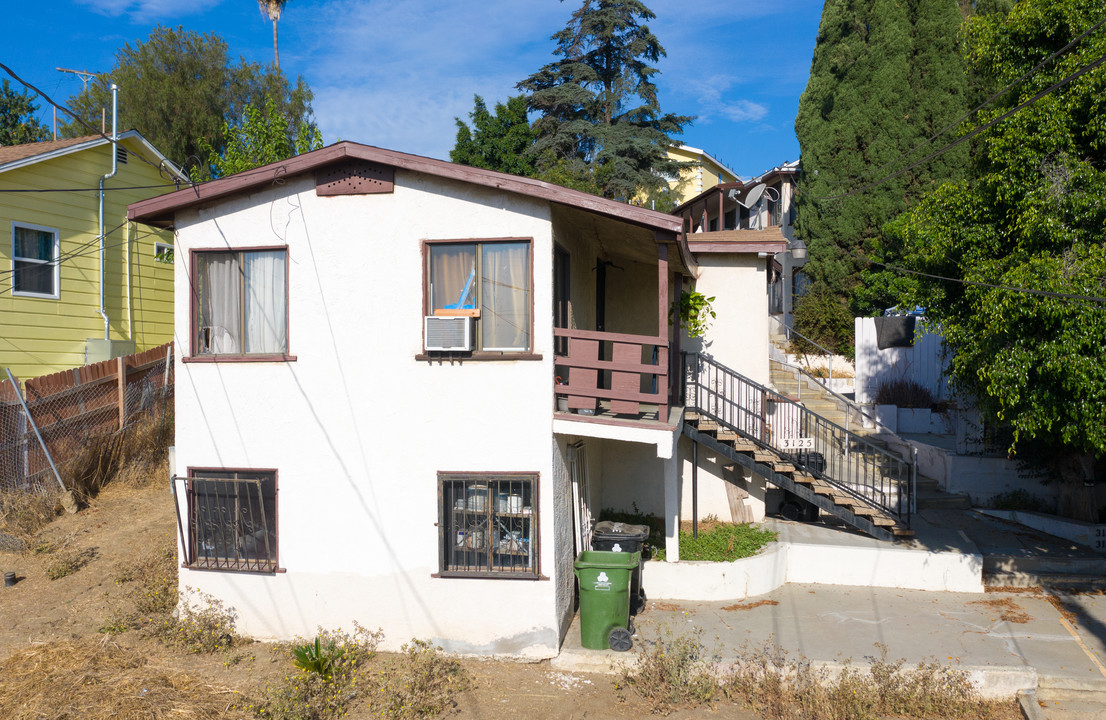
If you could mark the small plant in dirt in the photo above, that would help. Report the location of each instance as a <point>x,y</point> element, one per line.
<point>327,682</point>
<point>777,687</point>
<point>203,624</point>
<point>62,557</point>
<point>419,682</point>
<point>723,542</point>
<point>904,393</point>
<point>153,597</point>
<point>671,672</point>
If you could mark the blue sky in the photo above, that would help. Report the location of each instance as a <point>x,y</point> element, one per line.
<point>395,73</point>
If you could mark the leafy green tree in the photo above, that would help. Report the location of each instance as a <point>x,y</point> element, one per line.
<point>886,75</point>
<point>179,89</point>
<point>18,123</point>
<point>259,139</point>
<point>1031,216</point>
<point>600,121</point>
<point>496,142</point>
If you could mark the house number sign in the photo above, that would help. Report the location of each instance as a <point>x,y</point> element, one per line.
<point>798,443</point>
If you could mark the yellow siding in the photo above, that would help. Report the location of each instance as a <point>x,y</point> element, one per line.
<point>42,335</point>
<point>695,180</point>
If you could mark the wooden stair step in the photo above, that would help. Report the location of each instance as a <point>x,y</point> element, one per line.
<point>706,425</point>
<point>727,435</point>
<point>882,521</point>
<point>691,416</point>
<point>902,532</point>
<point>862,509</point>
<point>765,456</point>
<point>783,467</point>
<point>742,445</point>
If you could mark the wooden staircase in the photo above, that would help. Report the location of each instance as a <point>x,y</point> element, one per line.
<point>842,473</point>
<point>784,474</point>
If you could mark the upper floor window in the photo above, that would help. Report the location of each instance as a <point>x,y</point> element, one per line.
<point>35,261</point>
<point>489,281</point>
<point>241,302</point>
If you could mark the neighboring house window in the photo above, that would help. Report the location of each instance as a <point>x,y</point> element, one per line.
<point>488,524</point>
<point>163,253</point>
<point>242,302</point>
<point>35,261</point>
<point>232,520</point>
<point>489,281</point>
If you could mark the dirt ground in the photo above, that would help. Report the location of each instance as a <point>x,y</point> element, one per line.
<point>124,523</point>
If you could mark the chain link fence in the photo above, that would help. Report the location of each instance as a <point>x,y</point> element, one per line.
<point>71,409</point>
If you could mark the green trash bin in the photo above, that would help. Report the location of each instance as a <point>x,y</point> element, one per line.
<point>605,598</point>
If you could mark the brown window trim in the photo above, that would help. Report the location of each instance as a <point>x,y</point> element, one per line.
<point>446,528</point>
<point>238,358</point>
<point>480,356</point>
<point>194,308</point>
<point>527,354</point>
<point>235,567</point>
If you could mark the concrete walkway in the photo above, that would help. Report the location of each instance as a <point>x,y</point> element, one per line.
<point>1047,641</point>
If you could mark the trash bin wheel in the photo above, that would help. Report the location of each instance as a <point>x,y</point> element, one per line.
<point>620,639</point>
<point>792,511</point>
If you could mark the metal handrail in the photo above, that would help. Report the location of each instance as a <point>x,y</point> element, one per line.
<point>850,405</point>
<point>848,461</point>
<point>788,331</point>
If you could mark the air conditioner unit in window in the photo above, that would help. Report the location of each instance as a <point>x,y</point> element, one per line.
<point>448,334</point>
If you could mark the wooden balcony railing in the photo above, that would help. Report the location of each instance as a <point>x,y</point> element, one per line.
<point>631,358</point>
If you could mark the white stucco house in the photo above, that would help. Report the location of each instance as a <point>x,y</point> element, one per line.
<point>406,388</point>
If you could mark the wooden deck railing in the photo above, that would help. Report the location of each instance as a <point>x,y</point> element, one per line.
<point>631,357</point>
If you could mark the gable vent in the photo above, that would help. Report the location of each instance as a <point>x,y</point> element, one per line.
<point>354,177</point>
<point>121,155</point>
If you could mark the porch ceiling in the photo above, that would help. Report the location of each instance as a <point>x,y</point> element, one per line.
<point>620,240</point>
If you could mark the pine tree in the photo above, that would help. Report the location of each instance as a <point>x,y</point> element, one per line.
<point>601,122</point>
<point>496,142</point>
<point>886,75</point>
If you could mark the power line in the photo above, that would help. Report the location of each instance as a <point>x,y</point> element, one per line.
<point>1064,81</point>
<point>73,115</point>
<point>1047,293</point>
<point>983,104</point>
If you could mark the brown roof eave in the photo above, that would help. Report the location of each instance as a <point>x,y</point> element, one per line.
<point>160,211</point>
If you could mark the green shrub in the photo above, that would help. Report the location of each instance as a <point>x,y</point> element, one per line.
<point>723,542</point>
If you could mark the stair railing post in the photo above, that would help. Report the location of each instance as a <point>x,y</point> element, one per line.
<point>913,506</point>
<point>695,489</point>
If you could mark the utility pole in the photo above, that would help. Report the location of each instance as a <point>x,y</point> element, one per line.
<point>85,76</point>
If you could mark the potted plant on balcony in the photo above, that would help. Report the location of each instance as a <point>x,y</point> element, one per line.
<point>696,312</point>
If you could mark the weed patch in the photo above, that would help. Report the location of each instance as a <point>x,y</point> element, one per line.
<point>62,557</point>
<point>724,542</point>
<point>777,687</point>
<point>24,514</point>
<point>203,624</point>
<point>326,682</point>
<point>419,682</point>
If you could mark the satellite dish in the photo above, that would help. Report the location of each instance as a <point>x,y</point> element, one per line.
<point>752,196</point>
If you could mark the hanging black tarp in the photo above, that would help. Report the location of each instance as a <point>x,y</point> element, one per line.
<point>895,331</point>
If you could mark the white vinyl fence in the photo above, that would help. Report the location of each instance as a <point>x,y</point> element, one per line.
<point>924,362</point>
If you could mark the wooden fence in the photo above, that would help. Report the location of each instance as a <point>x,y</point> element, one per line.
<point>72,406</point>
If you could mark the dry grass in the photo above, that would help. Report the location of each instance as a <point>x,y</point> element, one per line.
<point>24,514</point>
<point>125,457</point>
<point>98,679</point>
<point>751,605</point>
<point>1009,611</point>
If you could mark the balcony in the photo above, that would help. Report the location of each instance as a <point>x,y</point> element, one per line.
<point>613,378</point>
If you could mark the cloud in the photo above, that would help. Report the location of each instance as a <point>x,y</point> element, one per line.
<point>149,10</point>
<point>742,111</point>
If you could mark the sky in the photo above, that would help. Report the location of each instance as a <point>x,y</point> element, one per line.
<point>395,73</point>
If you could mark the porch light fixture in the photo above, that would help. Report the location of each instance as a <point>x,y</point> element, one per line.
<point>797,248</point>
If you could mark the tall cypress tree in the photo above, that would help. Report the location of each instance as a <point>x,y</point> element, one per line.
<point>886,75</point>
<point>600,120</point>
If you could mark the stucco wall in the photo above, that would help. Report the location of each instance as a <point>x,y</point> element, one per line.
<point>738,337</point>
<point>358,429</point>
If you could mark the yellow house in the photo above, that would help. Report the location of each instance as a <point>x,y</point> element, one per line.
<point>705,174</point>
<point>66,299</point>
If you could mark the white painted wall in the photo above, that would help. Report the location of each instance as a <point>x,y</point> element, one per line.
<point>358,429</point>
<point>923,363</point>
<point>738,337</point>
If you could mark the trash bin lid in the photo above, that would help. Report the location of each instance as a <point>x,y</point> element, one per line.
<point>616,530</point>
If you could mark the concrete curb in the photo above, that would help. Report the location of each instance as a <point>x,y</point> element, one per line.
<point>993,681</point>
<point>1031,710</point>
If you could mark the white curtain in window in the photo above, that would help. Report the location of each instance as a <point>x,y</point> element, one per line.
<point>265,302</point>
<point>505,301</point>
<point>452,281</point>
<point>220,280</point>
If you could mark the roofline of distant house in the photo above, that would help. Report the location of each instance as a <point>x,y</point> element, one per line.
<point>788,168</point>
<point>710,157</point>
<point>91,142</point>
<point>159,211</point>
